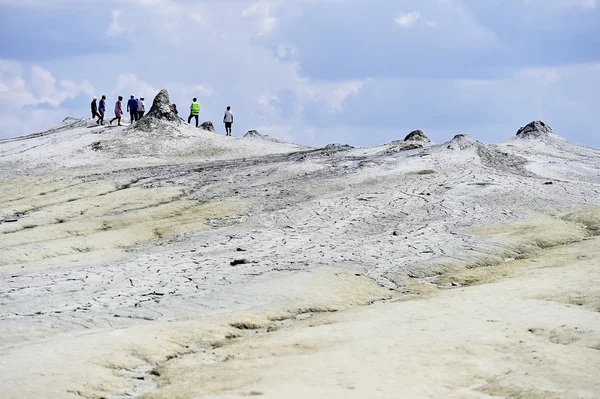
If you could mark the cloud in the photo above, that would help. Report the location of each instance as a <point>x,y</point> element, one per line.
<point>262,12</point>
<point>29,103</point>
<point>42,81</point>
<point>127,84</point>
<point>409,19</point>
<point>204,90</point>
<point>312,70</point>
<point>588,3</point>
<point>115,29</point>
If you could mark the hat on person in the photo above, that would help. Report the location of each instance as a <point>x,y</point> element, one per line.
<point>94,98</point>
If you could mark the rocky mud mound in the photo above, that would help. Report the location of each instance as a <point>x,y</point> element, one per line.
<point>414,140</point>
<point>253,133</point>
<point>552,156</point>
<point>535,129</point>
<point>539,133</point>
<point>208,126</point>
<point>160,118</point>
<point>417,135</point>
<point>462,142</point>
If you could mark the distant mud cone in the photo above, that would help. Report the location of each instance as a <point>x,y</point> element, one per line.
<point>535,129</point>
<point>461,142</point>
<point>161,112</point>
<point>208,126</point>
<point>252,133</point>
<point>417,135</point>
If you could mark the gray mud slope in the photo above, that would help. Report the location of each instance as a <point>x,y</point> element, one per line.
<point>384,214</point>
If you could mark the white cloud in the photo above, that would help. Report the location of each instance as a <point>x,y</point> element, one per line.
<point>42,81</point>
<point>204,90</point>
<point>19,92</point>
<point>262,12</point>
<point>588,3</point>
<point>115,29</point>
<point>128,84</point>
<point>261,9</point>
<point>408,19</point>
<point>269,103</point>
<point>43,87</point>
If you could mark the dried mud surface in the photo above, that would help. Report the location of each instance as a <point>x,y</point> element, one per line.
<point>110,265</point>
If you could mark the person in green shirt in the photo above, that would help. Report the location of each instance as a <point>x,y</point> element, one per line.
<point>194,111</point>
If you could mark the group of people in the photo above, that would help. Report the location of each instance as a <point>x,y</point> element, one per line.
<point>137,108</point>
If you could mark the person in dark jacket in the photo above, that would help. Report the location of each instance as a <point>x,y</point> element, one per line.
<point>101,110</point>
<point>132,108</point>
<point>94,107</point>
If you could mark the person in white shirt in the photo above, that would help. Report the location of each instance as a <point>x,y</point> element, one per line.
<point>141,108</point>
<point>228,121</point>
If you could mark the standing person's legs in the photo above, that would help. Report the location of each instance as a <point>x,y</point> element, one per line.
<point>132,116</point>
<point>196,116</point>
<point>101,118</point>
<point>140,114</point>
<point>190,118</point>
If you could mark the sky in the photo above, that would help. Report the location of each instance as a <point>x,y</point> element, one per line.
<point>311,71</point>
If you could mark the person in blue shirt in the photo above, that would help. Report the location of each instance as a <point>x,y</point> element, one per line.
<point>132,108</point>
<point>101,110</point>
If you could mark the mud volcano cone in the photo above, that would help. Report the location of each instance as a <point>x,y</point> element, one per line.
<point>535,129</point>
<point>417,135</point>
<point>160,113</point>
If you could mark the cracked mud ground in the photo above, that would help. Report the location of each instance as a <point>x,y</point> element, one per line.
<point>170,232</point>
<point>116,248</point>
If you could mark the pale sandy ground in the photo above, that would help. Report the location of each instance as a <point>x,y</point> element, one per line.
<point>532,331</point>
